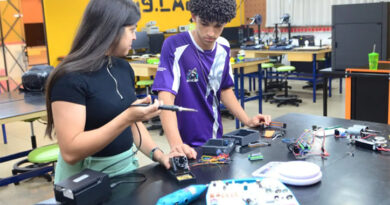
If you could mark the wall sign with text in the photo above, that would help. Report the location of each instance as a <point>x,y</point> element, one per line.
<point>148,6</point>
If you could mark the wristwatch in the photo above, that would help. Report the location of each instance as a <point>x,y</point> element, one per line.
<point>152,153</point>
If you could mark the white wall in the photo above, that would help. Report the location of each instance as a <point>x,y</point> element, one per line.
<point>306,12</point>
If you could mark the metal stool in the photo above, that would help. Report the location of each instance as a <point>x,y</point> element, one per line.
<point>286,98</point>
<point>146,83</point>
<point>267,94</point>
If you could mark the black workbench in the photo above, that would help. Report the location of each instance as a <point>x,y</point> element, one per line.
<point>363,178</point>
<point>21,106</point>
<point>351,175</point>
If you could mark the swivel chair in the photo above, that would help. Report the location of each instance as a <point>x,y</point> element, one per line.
<point>38,159</point>
<point>147,84</point>
<point>286,98</point>
<point>274,82</point>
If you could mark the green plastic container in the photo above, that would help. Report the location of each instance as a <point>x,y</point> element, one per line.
<point>373,60</point>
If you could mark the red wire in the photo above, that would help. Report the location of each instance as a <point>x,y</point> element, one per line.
<point>383,149</point>
<point>324,152</point>
<point>369,135</point>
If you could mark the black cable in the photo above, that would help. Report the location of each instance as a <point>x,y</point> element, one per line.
<point>138,148</point>
<point>141,177</point>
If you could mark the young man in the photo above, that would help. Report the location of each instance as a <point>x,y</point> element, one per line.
<point>195,72</point>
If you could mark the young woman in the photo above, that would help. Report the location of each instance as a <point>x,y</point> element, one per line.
<point>89,96</point>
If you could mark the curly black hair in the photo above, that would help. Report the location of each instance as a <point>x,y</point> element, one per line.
<point>221,11</point>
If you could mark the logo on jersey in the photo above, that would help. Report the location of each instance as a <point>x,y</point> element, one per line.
<point>192,75</point>
<point>161,69</point>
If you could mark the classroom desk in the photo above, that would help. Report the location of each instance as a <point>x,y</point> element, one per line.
<point>20,106</point>
<point>351,175</point>
<point>295,55</point>
<point>249,65</point>
<point>143,69</point>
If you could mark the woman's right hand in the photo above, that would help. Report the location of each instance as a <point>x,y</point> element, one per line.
<point>136,114</point>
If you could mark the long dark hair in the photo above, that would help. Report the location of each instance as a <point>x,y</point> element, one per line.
<point>99,34</point>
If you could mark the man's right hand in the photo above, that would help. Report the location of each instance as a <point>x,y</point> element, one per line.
<point>185,149</point>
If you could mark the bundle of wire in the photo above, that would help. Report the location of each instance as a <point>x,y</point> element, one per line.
<point>208,159</point>
<point>303,146</point>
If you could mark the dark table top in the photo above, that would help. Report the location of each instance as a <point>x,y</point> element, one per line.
<point>363,178</point>
<point>17,103</point>
<point>329,72</point>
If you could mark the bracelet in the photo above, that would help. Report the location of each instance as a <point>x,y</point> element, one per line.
<point>151,155</point>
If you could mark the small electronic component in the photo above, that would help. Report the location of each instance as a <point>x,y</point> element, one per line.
<point>273,124</point>
<point>218,146</point>
<point>269,133</point>
<point>356,130</point>
<point>273,129</point>
<point>365,144</point>
<point>303,146</point>
<point>243,137</point>
<point>180,170</point>
<point>249,191</point>
<point>377,143</point>
<point>255,156</point>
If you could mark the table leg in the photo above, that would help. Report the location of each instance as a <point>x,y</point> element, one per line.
<point>4,133</point>
<point>325,96</point>
<point>260,77</point>
<point>250,83</point>
<point>314,76</point>
<point>33,138</point>
<point>242,96</point>
<point>236,91</point>
<point>330,86</point>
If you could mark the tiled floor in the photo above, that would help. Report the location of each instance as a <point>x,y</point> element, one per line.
<point>38,189</point>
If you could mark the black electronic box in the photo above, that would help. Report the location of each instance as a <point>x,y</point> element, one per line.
<point>243,137</point>
<point>86,187</point>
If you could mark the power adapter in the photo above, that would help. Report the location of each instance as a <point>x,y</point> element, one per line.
<point>86,187</point>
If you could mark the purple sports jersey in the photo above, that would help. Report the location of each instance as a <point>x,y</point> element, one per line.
<point>196,77</point>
